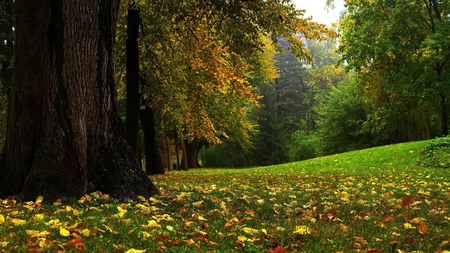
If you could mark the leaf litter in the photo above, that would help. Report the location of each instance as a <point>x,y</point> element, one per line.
<point>272,209</point>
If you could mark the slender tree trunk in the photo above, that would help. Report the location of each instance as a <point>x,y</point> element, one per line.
<point>65,137</point>
<point>132,68</point>
<point>184,160</point>
<point>153,162</point>
<point>177,153</point>
<point>168,152</point>
<point>444,115</point>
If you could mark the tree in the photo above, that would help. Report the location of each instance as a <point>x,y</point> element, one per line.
<point>6,59</point>
<point>405,46</point>
<point>341,119</point>
<point>197,58</point>
<point>64,135</point>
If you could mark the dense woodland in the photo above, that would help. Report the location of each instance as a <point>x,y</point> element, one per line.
<point>250,83</point>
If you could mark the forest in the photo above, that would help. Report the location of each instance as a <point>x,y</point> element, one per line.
<point>253,83</point>
<point>224,126</point>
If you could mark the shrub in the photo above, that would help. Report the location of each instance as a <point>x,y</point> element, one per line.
<point>437,153</point>
<point>302,147</point>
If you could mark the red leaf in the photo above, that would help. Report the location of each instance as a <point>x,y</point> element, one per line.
<point>407,201</point>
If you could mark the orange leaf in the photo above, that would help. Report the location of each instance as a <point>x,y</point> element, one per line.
<point>76,242</point>
<point>407,201</point>
<point>278,249</point>
<point>250,212</point>
<point>422,228</point>
<point>228,225</point>
<point>388,218</point>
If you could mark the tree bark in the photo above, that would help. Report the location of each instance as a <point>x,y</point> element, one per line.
<point>65,137</point>
<point>185,165</point>
<point>153,162</point>
<point>444,115</point>
<point>132,68</point>
<point>192,150</point>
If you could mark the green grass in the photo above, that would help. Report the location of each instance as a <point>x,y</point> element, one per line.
<point>374,200</point>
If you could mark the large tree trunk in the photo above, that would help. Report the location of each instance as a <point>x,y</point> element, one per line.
<point>192,150</point>
<point>64,134</point>
<point>132,67</point>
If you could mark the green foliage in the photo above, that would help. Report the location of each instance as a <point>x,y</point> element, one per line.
<point>437,153</point>
<point>224,155</point>
<point>341,119</point>
<point>303,146</point>
<point>399,50</point>
<point>363,201</point>
<point>270,142</point>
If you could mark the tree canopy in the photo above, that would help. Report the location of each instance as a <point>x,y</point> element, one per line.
<point>202,60</point>
<point>401,51</point>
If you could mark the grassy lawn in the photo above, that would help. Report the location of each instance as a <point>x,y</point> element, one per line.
<point>374,200</point>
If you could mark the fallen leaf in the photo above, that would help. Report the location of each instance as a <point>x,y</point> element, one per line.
<point>423,229</point>
<point>250,231</point>
<point>39,200</point>
<point>407,225</point>
<point>135,251</point>
<point>388,218</point>
<point>18,222</point>
<point>302,230</point>
<point>64,232</point>
<point>417,220</point>
<point>407,201</point>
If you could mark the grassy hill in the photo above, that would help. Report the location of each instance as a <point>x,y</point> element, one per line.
<point>374,200</point>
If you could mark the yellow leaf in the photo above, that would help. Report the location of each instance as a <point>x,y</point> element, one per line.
<point>39,199</point>
<point>135,251</point>
<point>36,233</point>
<point>234,220</point>
<point>407,225</point>
<point>86,232</point>
<point>151,224</point>
<point>190,241</point>
<point>302,230</point>
<point>110,229</point>
<point>250,231</point>
<point>53,223</point>
<point>42,242</point>
<point>200,231</point>
<point>170,228</point>
<point>2,218</point>
<point>146,235</point>
<point>38,216</point>
<point>32,233</point>
<point>18,222</point>
<point>242,238</point>
<point>417,220</point>
<point>122,211</point>
<point>200,218</point>
<point>64,232</point>
<point>264,231</point>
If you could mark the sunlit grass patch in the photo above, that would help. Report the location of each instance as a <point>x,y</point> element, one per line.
<point>373,200</point>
